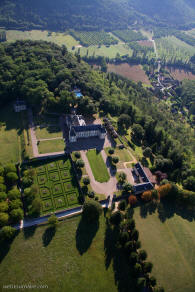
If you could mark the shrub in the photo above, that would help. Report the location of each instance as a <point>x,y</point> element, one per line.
<point>147,267</point>
<point>141,283</point>
<point>127,187</point>
<point>116,218</point>
<point>2,188</point>
<point>16,215</point>
<point>80,163</point>
<point>122,177</point>
<point>27,181</point>
<point>111,151</point>
<point>152,281</point>
<point>124,237</point>
<point>155,195</point>
<point>7,233</point>
<point>129,246</point>
<point>35,208</point>
<point>29,195</point>
<point>10,168</point>
<point>137,269</point>
<point>138,244</point>
<point>115,159</point>
<point>133,257</point>
<point>135,234</point>
<point>146,196</point>
<point>91,195</point>
<point>3,207</point>
<point>164,190</point>
<point>2,180</point>
<point>129,212</point>
<point>113,206</point>
<point>14,194</point>
<point>122,205</point>
<point>15,204</point>
<point>142,255</point>
<point>86,181</point>
<point>91,211</point>
<point>53,221</point>
<point>1,170</point>
<point>130,224</point>
<point>11,178</point>
<point>132,200</point>
<point>77,155</point>
<point>4,218</point>
<point>3,196</point>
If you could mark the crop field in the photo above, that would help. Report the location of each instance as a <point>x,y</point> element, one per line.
<point>98,166</point>
<point>191,32</point>
<point>129,35</point>
<point>92,38</point>
<point>49,146</point>
<point>57,184</point>
<point>180,74</point>
<point>132,72</point>
<point>171,48</point>
<point>170,247</point>
<point>106,51</point>
<point>146,43</point>
<point>58,38</point>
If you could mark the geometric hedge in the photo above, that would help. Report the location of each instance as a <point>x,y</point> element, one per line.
<point>57,185</point>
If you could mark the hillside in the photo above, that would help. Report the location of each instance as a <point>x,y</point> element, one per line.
<point>95,15</point>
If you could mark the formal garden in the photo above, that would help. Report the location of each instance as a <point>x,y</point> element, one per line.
<point>56,183</point>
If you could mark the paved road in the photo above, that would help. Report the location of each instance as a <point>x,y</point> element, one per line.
<point>63,214</point>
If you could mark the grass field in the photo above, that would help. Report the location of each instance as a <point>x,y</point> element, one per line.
<point>110,51</point>
<point>57,184</point>
<point>50,146</point>
<point>48,132</point>
<point>58,38</point>
<point>98,166</point>
<point>170,247</point>
<point>10,135</point>
<point>123,155</point>
<point>73,259</point>
<point>191,32</point>
<point>170,48</point>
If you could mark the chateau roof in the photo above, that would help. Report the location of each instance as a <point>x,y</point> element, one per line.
<point>75,129</point>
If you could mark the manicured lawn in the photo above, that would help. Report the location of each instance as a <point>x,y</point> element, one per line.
<point>98,166</point>
<point>57,184</point>
<point>123,154</point>
<point>10,134</point>
<point>170,247</point>
<point>72,260</point>
<point>48,132</point>
<point>51,146</point>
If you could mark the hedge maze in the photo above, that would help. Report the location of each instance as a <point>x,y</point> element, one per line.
<point>57,185</point>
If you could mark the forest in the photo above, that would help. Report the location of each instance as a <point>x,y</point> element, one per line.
<point>95,15</point>
<point>44,75</point>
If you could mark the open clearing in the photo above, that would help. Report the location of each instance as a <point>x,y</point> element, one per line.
<point>132,72</point>
<point>48,132</point>
<point>50,146</point>
<point>98,166</point>
<point>104,51</point>
<point>44,35</point>
<point>70,260</point>
<point>180,74</point>
<point>170,247</point>
<point>57,184</point>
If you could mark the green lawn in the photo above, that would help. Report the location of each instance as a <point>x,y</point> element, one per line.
<point>48,132</point>
<point>98,166</point>
<point>10,135</point>
<point>110,51</point>
<point>56,181</point>
<point>56,37</point>
<point>123,154</point>
<point>51,146</point>
<point>170,247</point>
<point>72,261</point>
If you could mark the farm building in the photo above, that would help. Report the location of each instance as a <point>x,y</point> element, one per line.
<point>144,179</point>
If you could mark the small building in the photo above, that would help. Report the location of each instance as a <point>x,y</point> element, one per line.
<point>19,105</point>
<point>144,179</point>
<point>77,132</point>
<point>78,93</point>
<point>141,188</point>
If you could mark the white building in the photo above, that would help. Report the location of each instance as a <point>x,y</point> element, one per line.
<point>86,132</point>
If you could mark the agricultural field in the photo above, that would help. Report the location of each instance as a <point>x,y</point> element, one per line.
<point>98,166</point>
<point>92,38</point>
<point>76,258</point>
<point>49,146</point>
<point>43,132</point>
<point>180,74</point>
<point>170,247</point>
<point>132,72</point>
<point>171,48</point>
<point>146,43</point>
<point>13,135</point>
<point>57,184</point>
<point>106,51</point>
<point>191,32</point>
<point>55,37</point>
<point>129,35</point>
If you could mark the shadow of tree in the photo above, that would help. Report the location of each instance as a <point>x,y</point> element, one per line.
<point>48,235</point>
<point>5,246</point>
<point>147,208</point>
<point>85,234</point>
<point>29,231</point>
<point>114,254</point>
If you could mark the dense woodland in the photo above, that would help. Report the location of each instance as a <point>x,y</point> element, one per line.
<point>45,74</point>
<point>95,15</point>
